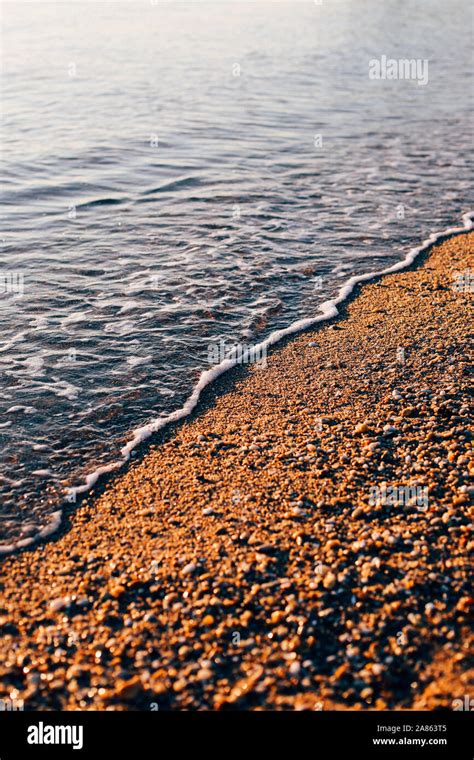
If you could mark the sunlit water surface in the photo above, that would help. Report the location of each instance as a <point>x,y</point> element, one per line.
<point>179,173</point>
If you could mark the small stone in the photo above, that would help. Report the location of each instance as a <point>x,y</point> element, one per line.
<point>127,690</point>
<point>117,591</point>
<point>465,604</point>
<point>373,446</point>
<point>329,581</point>
<point>58,604</point>
<point>362,427</point>
<point>294,668</point>
<point>277,616</point>
<point>189,568</point>
<point>204,674</point>
<point>157,684</point>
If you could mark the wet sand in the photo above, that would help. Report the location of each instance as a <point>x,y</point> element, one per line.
<point>244,562</point>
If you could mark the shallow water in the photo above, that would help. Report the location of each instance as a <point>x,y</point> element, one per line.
<point>176,174</point>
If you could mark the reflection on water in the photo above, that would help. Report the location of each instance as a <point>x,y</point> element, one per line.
<point>180,173</point>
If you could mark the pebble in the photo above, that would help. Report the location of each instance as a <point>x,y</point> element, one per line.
<point>204,674</point>
<point>59,604</point>
<point>295,668</point>
<point>127,690</point>
<point>297,511</point>
<point>329,580</point>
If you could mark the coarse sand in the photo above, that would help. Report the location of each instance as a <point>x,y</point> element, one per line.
<point>300,542</point>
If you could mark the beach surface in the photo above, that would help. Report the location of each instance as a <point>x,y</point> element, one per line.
<point>300,542</point>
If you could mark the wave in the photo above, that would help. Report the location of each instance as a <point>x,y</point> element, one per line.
<point>100,202</point>
<point>328,310</point>
<point>178,184</point>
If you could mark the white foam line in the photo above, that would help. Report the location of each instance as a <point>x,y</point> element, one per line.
<point>328,311</point>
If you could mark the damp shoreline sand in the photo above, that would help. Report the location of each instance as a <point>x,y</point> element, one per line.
<point>244,563</point>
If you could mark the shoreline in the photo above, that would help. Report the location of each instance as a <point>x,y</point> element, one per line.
<point>241,564</point>
<point>329,312</point>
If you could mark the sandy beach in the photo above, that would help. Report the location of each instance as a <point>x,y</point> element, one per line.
<point>300,542</point>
